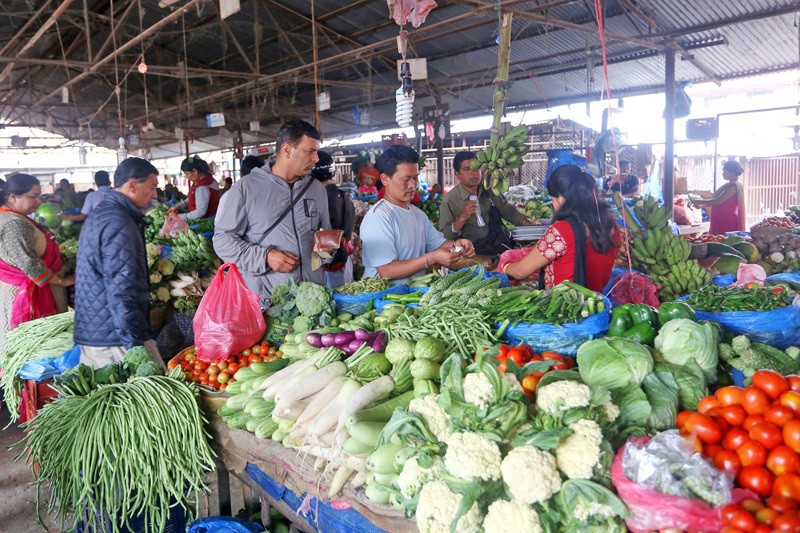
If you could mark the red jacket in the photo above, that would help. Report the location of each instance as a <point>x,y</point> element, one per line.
<point>213,200</point>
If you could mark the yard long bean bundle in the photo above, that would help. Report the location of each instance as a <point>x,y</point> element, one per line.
<point>125,450</point>
<point>566,302</point>
<point>44,337</point>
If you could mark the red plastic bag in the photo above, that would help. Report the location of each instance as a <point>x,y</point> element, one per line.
<point>229,318</point>
<point>653,510</point>
<point>173,226</point>
<point>512,256</point>
<point>634,288</point>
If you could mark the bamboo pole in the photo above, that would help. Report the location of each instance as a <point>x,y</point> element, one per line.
<point>501,80</point>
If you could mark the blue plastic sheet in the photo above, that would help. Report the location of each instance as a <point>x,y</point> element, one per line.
<point>779,328</point>
<point>224,524</point>
<point>358,304</point>
<point>322,516</point>
<point>166,252</point>
<point>564,339</point>
<point>723,281</point>
<point>559,157</point>
<point>47,368</point>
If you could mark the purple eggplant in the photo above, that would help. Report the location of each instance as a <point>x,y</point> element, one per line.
<point>379,342</point>
<point>329,339</point>
<point>363,335</point>
<point>344,338</point>
<point>348,351</point>
<point>355,344</point>
<point>315,340</point>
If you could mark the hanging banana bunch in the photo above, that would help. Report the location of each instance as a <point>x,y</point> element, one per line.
<point>499,163</point>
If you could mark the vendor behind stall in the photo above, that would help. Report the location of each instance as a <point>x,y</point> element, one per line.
<point>470,211</point>
<point>727,204</point>
<point>112,293</point>
<point>203,191</point>
<point>583,241</point>
<point>625,182</point>
<point>398,238</point>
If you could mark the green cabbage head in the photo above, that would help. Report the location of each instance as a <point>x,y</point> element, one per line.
<point>682,339</point>
<point>613,363</point>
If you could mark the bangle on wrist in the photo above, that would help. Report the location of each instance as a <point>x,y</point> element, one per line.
<point>59,281</point>
<point>426,260</point>
<point>505,267</point>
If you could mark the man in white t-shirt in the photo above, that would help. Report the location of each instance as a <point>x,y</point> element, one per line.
<point>398,239</point>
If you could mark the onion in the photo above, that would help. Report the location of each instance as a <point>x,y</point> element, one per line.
<point>329,339</point>
<point>363,335</point>
<point>315,340</point>
<point>379,342</point>
<point>344,338</point>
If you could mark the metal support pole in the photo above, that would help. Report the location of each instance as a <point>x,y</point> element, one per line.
<point>669,129</point>
<point>440,161</point>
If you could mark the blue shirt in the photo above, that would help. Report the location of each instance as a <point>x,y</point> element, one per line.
<point>93,199</point>
<point>393,233</point>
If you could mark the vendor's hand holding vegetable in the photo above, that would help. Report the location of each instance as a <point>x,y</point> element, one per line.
<point>281,261</point>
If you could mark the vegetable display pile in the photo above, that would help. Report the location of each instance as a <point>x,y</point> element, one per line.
<point>715,299</point>
<point>566,302</point>
<point>193,252</point>
<point>44,337</point>
<point>364,285</point>
<point>748,357</point>
<point>124,450</point>
<point>156,221</point>
<point>465,287</point>
<point>431,209</point>
<point>298,307</point>
<point>204,225</point>
<point>220,374</point>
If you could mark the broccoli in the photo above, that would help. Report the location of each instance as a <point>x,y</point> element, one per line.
<point>740,344</point>
<point>149,368</point>
<point>113,373</point>
<point>793,352</point>
<point>313,299</point>
<point>136,356</point>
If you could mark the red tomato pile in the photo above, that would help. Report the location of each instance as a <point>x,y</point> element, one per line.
<point>704,238</point>
<point>218,374</point>
<point>754,432</point>
<point>524,354</point>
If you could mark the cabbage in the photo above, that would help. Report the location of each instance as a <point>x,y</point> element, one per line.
<point>613,363</point>
<point>634,409</point>
<point>691,383</point>
<point>662,394</point>
<point>681,340</point>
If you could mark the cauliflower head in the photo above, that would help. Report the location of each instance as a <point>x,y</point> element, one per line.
<point>513,383</point>
<point>436,418</point>
<point>578,454</point>
<point>152,253</point>
<point>563,395</point>
<point>163,294</point>
<point>611,410</point>
<point>413,476</point>
<point>530,474</point>
<point>583,511</point>
<point>478,390</point>
<point>470,455</point>
<point>504,516</point>
<point>155,278</point>
<point>165,267</point>
<point>437,509</point>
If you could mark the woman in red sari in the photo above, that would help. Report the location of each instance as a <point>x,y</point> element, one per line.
<point>31,281</point>
<point>727,204</point>
<point>583,241</point>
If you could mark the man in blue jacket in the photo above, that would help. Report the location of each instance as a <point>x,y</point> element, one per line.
<point>112,290</point>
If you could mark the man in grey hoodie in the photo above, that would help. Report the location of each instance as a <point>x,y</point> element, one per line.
<point>256,230</point>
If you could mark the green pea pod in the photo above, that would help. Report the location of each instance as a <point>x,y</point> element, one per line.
<point>672,310</point>
<point>643,313</point>
<point>643,333</point>
<point>620,321</point>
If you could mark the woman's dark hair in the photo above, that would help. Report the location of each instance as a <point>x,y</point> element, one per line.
<point>249,163</point>
<point>733,167</point>
<point>195,163</point>
<point>394,155</point>
<point>581,201</point>
<point>133,168</point>
<point>17,184</point>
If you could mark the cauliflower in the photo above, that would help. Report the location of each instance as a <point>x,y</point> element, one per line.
<point>478,390</point>
<point>563,395</point>
<point>155,278</point>
<point>437,509</point>
<point>530,474</point>
<point>579,453</point>
<point>165,267</point>
<point>436,418</point>
<point>152,253</point>
<point>583,512</point>
<point>470,455</point>
<point>163,294</point>
<point>413,476</point>
<point>504,516</point>
<point>611,410</point>
<point>513,383</point>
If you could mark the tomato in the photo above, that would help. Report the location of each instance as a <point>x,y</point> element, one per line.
<point>681,418</point>
<point>734,415</point>
<point>223,377</point>
<point>172,364</point>
<point>791,399</point>
<point>752,453</point>
<point>730,396</point>
<point>503,349</point>
<point>762,528</point>
<point>213,370</point>
<point>519,356</point>
<point>702,426</point>
<point>787,486</point>
<point>757,479</point>
<point>728,460</point>
<point>766,516</point>
<point>528,350</point>
<point>272,349</point>
<point>196,371</point>
<point>770,382</point>
<point>213,378</point>
<point>711,450</point>
<point>706,403</point>
<point>247,352</point>
<point>751,421</point>
<point>783,460</point>
<point>794,382</point>
<point>720,422</point>
<point>529,383</point>
<point>256,349</point>
<point>255,359</point>
<point>731,529</point>
<point>744,521</point>
<point>734,438</point>
<point>778,415</point>
<point>791,434</point>
<point>755,400</point>
<point>767,434</point>
<point>202,365</point>
<point>222,366</point>
<point>786,523</point>
<point>781,503</point>
<point>233,368</point>
<point>502,367</point>
<point>729,510</point>
<point>223,386</point>
<point>751,505</point>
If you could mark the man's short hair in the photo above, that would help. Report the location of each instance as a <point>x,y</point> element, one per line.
<point>101,178</point>
<point>133,168</point>
<point>394,155</point>
<point>460,158</point>
<point>624,162</point>
<point>249,163</point>
<point>292,132</point>
<point>64,182</point>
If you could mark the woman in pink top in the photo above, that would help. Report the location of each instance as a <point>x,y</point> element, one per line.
<point>727,204</point>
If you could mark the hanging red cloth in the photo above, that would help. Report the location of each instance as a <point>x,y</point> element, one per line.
<point>413,11</point>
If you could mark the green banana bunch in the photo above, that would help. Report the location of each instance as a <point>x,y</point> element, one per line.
<point>499,161</point>
<point>651,213</point>
<point>681,279</point>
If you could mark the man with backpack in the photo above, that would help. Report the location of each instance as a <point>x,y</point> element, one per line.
<point>342,214</point>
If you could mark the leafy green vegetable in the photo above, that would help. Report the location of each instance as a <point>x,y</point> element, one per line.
<point>613,363</point>
<point>137,356</point>
<point>682,339</point>
<point>662,393</point>
<point>691,383</point>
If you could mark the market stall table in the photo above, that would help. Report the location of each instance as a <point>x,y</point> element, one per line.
<point>284,477</point>
<point>695,229</point>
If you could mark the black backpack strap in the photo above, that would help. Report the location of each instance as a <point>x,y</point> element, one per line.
<point>287,211</point>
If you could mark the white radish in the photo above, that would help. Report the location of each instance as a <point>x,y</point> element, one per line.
<point>358,480</point>
<point>336,457</point>
<point>319,464</point>
<point>321,399</point>
<point>341,477</point>
<point>293,411</point>
<point>310,384</point>
<point>328,417</point>
<point>277,387</point>
<point>287,372</point>
<point>366,395</point>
